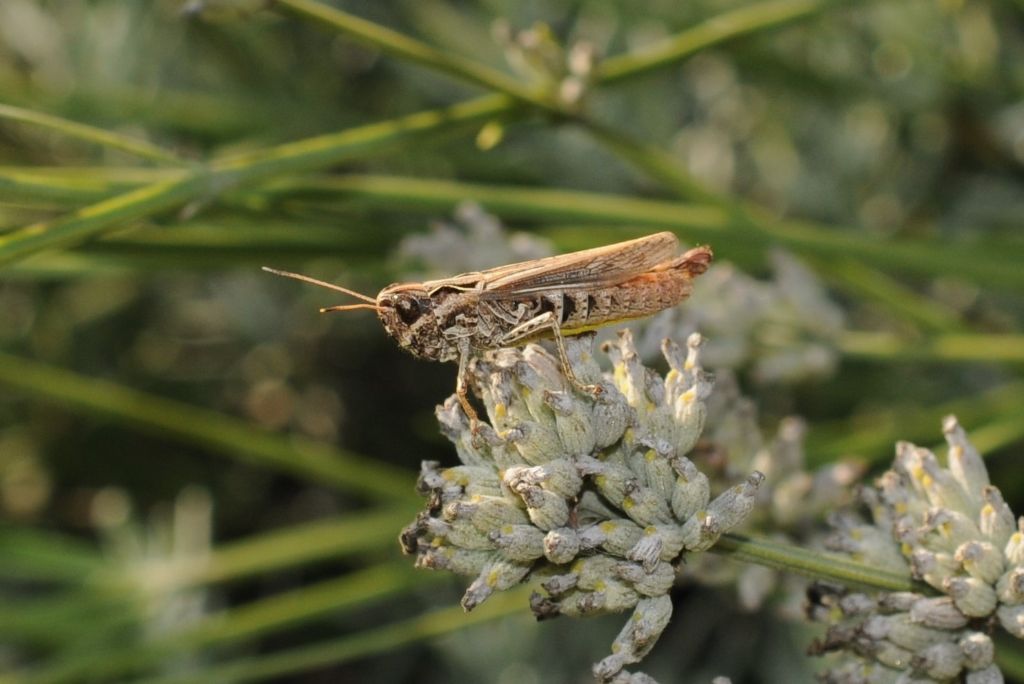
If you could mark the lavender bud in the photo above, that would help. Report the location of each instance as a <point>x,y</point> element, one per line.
<point>521,543</point>
<point>938,612</point>
<point>981,560</point>
<point>561,545</point>
<point>940,661</point>
<point>497,575</point>
<point>692,489</point>
<point>636,639</point>
<point>972,597</point>
<point>1012,619</point>
<point>1010,587</point>
<point>965,462</point>
<point>978,650</point>
<point>654,582</point>
<point>573,422</point>
<point>486,513</point>
<point>559,476</point>
<point>643,505</point>
<point>996,518</point>
<point>617,537</point>
<point>990,675</point>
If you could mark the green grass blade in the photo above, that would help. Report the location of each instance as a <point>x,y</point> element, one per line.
<point>38,555</point>
<point>353,533</point>
<point>950,347</point>
<point>872,434</point>
<point>871,284</point>
<point>275,613</point>
<point>91,134</point>
<point>741,21</point>
<point>314,461</point>
<point>284,610</point>
<point>402,46</point>
<point>366,643</point>
<point>212,180</point>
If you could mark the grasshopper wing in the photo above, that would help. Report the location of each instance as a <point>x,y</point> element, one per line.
<point>602,265</point>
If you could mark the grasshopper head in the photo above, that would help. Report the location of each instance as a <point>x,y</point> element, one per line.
<point>406,311</point>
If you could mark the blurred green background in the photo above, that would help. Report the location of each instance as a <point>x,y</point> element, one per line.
<point>202,480</point>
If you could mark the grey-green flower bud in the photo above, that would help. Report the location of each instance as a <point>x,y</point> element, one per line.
<point>972,597</point>
<point>643,505</point>
<point>486,512</point>
<point>558,476</point>
<point>461,533</point>
<point>981,560</point>
<point>965,463</point>
<point>940,661</point>
<point>573,422</point>
<point>978,650</point>
<point>453,559</point>
<point>997,522</point>
<point>497,575</point>
<point>1014,548</point>
<point>933,568</point>
<point>658,542</point>
<point>636,639</point>
<point>561,545</point>
<point>938,612</point>
<point>732,506</point>
<point>648,582</point>
<point>522,543</point>
<point>989,675</point>
<point>1010,587</point>
<point>1012,619</point>
<point>617,537</point>
<point>692,490</point>
<point>953,527</point>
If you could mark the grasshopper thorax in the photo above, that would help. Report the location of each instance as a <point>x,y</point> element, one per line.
<point>408,315</point>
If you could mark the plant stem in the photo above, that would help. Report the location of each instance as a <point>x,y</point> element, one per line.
<point>815,564</point>
<point>979,347</point>
<point>402,46</point>
<point>366,643</point>
<point>332,538</point>
<point>717,29</point>
<point>99,136</point>
<point>205,183</point>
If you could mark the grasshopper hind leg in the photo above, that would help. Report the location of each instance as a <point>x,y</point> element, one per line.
<point>563,356</point>
<point>549,321</point>
<point>462,388</point>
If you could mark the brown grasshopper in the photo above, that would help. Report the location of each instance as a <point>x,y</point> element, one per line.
<point>569,294</point>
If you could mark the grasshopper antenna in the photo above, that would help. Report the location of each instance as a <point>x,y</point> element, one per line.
<point>313,281</point>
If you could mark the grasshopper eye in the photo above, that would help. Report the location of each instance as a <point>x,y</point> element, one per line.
<point>408,310</point>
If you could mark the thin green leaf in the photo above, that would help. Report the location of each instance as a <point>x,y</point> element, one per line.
<point>315,461</point>
<point>99,136</point>
<point>402,46</point>
<point>204,183</point>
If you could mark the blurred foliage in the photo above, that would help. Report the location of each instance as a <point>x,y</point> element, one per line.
<point>202,480</point>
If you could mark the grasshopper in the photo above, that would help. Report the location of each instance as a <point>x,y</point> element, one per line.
<point>451,318</point>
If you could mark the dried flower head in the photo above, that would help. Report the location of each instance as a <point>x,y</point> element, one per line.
<point>950,528</point>
<point>592,495</point>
